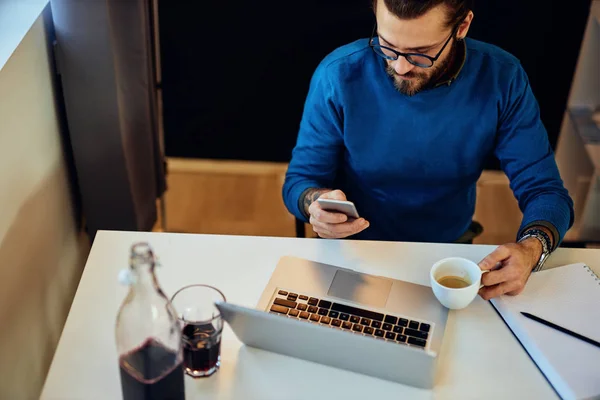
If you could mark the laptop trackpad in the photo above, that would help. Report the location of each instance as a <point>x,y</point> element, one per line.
<point>360,288</point>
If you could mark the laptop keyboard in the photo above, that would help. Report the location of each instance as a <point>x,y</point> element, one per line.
<point>357,320</point>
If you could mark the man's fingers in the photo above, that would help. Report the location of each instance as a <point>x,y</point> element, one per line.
<point>494,258</point>
<point>326,234</point>
<point>329,229</point>
<point>493,278</point>
<point>507,273</point>
<point>511,277</point>
<point>319,214</point>
<point>339,230</point>
<point>329,224</point>
<point>489,292</point>
<point>334,195</point>
<point>506,280</point>
<point>347,228</point>
<point>358,225</point>
<point>324,230</point>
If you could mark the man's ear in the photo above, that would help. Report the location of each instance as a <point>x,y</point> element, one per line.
<point>463,28</point>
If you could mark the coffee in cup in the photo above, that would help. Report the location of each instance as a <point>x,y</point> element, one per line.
<point>455,282</point>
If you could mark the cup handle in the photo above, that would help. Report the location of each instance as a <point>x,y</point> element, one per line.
<point>483,272</point>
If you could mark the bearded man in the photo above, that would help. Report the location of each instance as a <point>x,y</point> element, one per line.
<point>402,123</point>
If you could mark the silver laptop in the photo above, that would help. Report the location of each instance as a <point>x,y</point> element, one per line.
<point>335,316</point>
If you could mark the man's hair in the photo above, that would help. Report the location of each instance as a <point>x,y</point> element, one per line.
<point>409,9</point>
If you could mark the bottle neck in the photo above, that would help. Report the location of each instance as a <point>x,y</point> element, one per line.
<point>145,280</point>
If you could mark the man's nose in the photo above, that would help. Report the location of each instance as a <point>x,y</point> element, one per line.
<point>401,66</point>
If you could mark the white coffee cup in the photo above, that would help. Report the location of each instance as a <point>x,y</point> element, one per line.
<point>452,298</point>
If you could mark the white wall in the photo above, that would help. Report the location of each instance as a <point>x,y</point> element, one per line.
<point>42,251</point>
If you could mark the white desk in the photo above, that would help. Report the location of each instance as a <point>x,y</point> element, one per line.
<point>480,358</point>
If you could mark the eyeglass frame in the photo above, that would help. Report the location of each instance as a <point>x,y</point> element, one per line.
<point>406,55</point>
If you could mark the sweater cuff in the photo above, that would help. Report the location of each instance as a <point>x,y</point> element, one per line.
<point>297,192</point>
<point>301,204</point>
<point>550,212</point>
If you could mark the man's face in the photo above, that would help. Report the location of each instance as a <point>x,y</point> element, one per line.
<point>425,34</point>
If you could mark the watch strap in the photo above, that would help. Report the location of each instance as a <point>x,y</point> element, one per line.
<point>544,240</point>
<point>554,235</point>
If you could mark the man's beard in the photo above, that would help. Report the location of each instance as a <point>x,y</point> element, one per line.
<point>421,80</point>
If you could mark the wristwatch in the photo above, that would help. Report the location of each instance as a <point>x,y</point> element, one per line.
<point>544,240</point>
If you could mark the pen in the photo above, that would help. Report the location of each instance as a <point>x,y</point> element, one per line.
<point>560,328</point>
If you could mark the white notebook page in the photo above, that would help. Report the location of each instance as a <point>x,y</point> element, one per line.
<point>568,296</point>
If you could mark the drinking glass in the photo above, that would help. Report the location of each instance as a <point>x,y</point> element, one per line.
<point>202,328</point>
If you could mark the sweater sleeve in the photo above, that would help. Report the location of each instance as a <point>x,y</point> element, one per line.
<point>319,144</point>
<point>528,160</point>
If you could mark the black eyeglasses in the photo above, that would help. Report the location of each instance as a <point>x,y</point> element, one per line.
<point>420,60</point>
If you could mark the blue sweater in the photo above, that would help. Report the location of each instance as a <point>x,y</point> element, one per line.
<point>410,164</point>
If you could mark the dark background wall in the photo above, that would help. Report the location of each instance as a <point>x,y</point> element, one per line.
<point>235,74</point>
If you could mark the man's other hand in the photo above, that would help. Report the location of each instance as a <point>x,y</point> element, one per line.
<point>510,266</point>
<point>334,225</point>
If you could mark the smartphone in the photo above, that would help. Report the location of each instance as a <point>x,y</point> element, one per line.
<point>344,207</point>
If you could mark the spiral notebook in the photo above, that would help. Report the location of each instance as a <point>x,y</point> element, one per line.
<point>568,296</point>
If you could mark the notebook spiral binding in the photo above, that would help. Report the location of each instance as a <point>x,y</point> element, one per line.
<point>592,273</point>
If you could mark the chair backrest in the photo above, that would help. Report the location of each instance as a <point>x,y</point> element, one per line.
<point>300,228</point>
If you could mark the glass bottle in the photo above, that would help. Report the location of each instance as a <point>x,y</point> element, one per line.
<point>148,334</point>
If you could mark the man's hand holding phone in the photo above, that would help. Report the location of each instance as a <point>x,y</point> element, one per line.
<point>328,220</point>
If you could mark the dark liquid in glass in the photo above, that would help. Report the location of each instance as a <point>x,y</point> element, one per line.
<point>201,348</point>
<point>151,372</point>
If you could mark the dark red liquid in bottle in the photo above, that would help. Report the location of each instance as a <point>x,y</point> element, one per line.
<point>201,347</point>
<point>151,372</point>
